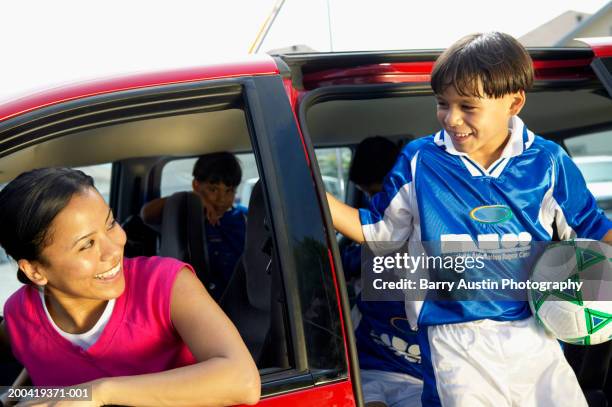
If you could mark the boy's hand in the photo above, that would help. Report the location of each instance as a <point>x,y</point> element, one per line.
<point>345,219</point>
<point>211,215</point>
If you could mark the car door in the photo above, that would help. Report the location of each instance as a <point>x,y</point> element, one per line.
<point>131,121</point>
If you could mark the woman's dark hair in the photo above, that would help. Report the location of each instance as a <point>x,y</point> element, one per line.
<point>495,59</point>
<point>218,167</point>
<point>28,205</point>
<point>373,159</point>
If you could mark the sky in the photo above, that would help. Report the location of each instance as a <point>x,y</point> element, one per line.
<point>50,42</point>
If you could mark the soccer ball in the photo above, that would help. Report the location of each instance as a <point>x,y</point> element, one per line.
<point>578,316</point>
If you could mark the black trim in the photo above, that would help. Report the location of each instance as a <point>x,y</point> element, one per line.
<point>102,110</point>
<point>384,90</point>
<point>268,175</point>
<point>603,69</point>
<point>312,98</point>
<point>300,231</point>
<point>277,383</point>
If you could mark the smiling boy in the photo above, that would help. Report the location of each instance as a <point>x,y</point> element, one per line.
<point>482,353</point>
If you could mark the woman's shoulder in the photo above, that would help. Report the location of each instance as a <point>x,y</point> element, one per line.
<point>152,271</point>
<point>150,263</point>
<point>151,278</point>
<point>21,302</point>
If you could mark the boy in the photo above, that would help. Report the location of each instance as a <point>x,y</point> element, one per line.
<point>215,179</point>
<point>389,355</point>
<point>482,353</point>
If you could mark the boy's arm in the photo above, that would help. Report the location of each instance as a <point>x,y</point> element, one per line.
<point>575,209</point>
<point>152,211</point>
<point>346,219</point>
<point>388,217</point>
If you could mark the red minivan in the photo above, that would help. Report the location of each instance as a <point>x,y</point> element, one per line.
<point>293,120</point>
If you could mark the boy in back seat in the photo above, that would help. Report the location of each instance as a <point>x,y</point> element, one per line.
<point>215,179</point>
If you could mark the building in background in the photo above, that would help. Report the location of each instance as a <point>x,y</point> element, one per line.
<point>561,30</point>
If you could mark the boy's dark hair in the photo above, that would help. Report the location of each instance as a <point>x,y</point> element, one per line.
<point>495,59</point>
<point>28,205</point>
<point>218,167</point>
<point>373,159</point>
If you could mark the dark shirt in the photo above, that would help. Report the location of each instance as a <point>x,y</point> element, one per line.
<point>225,245</point>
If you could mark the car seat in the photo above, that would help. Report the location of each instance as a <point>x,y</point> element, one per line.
<point>141,238</point>
<point>183,235</point>
<point>254,298</point>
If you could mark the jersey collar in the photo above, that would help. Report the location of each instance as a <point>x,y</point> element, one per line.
<point>521,139</point>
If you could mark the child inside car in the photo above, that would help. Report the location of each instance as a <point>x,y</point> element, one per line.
<point>215,179</point>
<point>482,353</point>
<point>389,355</point>
<point>135,331</point>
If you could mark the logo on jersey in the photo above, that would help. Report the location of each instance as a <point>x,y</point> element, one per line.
<point>491,214</point>
<point>399,346</point>
<point>452,243</point>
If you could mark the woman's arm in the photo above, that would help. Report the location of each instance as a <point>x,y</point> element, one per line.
<point>346,219</point>
<point>225,375</point>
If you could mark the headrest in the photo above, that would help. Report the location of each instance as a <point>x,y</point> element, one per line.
<point>182,230</point>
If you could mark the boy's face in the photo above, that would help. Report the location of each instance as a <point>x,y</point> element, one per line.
<point>477,126</point>
<point>217,195</point>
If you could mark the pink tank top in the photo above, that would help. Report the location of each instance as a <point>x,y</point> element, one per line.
<point>139,337</point>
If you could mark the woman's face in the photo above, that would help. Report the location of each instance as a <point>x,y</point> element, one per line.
<point>84,257</point>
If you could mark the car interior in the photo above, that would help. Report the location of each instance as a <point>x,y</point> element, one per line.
<point>561,111</point>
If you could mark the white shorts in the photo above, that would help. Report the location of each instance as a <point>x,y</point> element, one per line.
<point>393,389</point>
<point>510,363</point>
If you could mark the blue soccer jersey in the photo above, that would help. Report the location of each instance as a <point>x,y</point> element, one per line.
<point>437,194</point>
<point>384,338</point>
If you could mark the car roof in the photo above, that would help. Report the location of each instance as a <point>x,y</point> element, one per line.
<point>254,65</point>
<point>309,71</point>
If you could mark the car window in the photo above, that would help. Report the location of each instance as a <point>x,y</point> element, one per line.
<point>101,173</point>
<point>592,153</point>
<point>176,176</point>
<point>280,294</point>
<point>334,165</point>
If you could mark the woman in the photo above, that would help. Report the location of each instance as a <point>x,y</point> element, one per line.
<point>140,331</point>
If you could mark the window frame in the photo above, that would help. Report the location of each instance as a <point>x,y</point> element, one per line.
<point>264,97</point>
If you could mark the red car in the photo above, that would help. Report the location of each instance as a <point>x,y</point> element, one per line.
<point>293,120</point>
